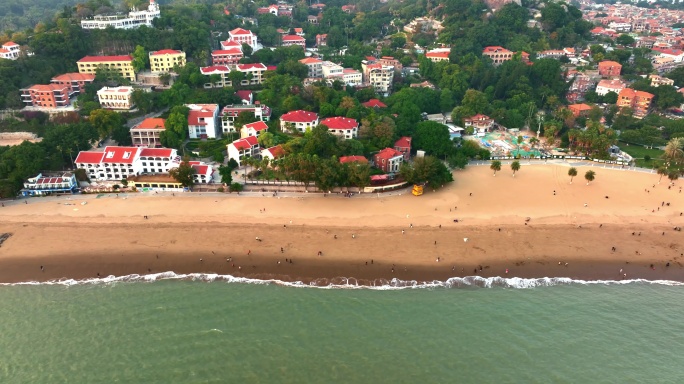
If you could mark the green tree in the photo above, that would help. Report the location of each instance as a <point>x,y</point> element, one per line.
<point>662,171</point>
<point>140,58</point>
<point>673,152</point>
<point>226,173</point>
<point>426,169</point>
<point>183,173</point>
<point>433,138</point>
<point>175,128</point>
<point>589,176</point>
<point>515,166</point>
<point>495,166</point>
<point>572,172</point>
<point>625,39</point>
<point>105,121</point>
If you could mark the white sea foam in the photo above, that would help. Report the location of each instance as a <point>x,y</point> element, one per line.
<point>353,283</point>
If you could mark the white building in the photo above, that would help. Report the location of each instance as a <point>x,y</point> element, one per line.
<point>299,121</point>
<point>134,19</point>
<point>605,86</point>
<point>243,148</point>
<point>115,97</point>
<point>273,152</point>
<point>10,50</point>
<point>253,129</point>
<point>203,121</point>
<point>379,76</point>
<point>330,69</point>
<point>342,126</point>
<point>230,113</point>
<point>314,65</point>
<point>243,36</point>
<point>148,132</point>
<point>203,172</point>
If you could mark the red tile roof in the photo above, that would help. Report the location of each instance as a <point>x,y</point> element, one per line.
<point>244,94</point>
<point>214,69</point>
<point>340,123</point>
<point>206,110</point>
<point>276,151</point>
<point>437,54</point>
<point>246,143</point>
<point>200,169</point>
<point>231,43</point>
<point>240,31</point>
<point>403,142</point>
<point>74,76</point>
<point>495,49</point>
<point>231,51</point>
<point>388,153</point>
<point>88,157</point>
<point>151,123</point>
<point>374,103</point>
<point>245,67</point>
<point>165,52</point>
<point>156,152</point>
<point>299,116</point>
<point>49,88</point>
<point>311,60</point>
<point>293,38</point>
<point>124,155</point>
<point>257,126</point>
<point>353,159</point>
<point>97,59</point>
<point>10,44</point>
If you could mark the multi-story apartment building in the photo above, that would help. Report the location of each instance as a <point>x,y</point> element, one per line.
<point>497,54</point>
<point>379,76</point>
<point>166,59</point>
<point>10,51</point>
<point>342,126</point>
<point>229,56</point>
<point>638,101</point>
<point>289,40</point>
<point>330,69</point>
<point>115,97</point>
<point>134,19</point>
<point>439,54</point>
<point>321,40</point>
<point>122,64</point>
<point>254,73</point>
<point>391,62</point>
<point>46,95</point>
<point>389,160</point>
<point>314,65</point>
<point>203,121</point>
<point>243,36</point>
<point>608,68</point>
<point>606,86</point>
<point>299,121</point>
<point>253,129</point>
<point>148,132</point>
<point>230,113</point>
<point>77,81</point>
<point>115,163</point>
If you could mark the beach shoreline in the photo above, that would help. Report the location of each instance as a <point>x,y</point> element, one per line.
<point>400,237</point>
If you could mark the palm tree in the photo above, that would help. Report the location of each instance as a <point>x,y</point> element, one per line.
<point>572,172</point>
<point>590,176</point>
<point>496,166</point>
<point>515,166</point>
<point>662,171</point>
<point>519,141</point>
<point>673,150</point>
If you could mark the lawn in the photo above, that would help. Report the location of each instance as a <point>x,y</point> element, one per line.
<point>639,153</point>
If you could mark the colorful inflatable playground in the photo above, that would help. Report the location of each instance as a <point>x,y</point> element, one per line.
<point>502,143</point>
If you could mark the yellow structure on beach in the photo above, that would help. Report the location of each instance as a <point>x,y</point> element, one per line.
<point>417,190</point>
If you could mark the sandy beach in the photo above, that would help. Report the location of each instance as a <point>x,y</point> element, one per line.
<point>398,236</point>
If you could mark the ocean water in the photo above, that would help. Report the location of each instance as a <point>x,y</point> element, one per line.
<point>223,331</point>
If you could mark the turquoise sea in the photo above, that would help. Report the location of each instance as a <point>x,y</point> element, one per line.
<point>189,330</point>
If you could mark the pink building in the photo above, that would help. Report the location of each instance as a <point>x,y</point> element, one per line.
<point>389,160</point>
<point>289,40</point>
<point>226,56</point>
<point>403,145</point>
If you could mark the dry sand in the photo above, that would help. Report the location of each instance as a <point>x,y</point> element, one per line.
<point>109,235</point>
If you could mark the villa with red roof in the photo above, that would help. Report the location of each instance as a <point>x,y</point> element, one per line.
<point>245,95</point>
<point>115,163</point>
<point>481,124</point>
<point>10,50</point>
<point>166,59</point>
<point>243,36</point>
<point>298,120</point>
<point>497,54</point>
<point>289,40</point>
<point>253,129</point>
<point>608,68</point>
<point>222,71</point>
<point>439,54</point>
<point>374,103</point>
<point>353,160</point>
<point>256,70</point>
<point>342,126</point>
<point>389,160</point>
<point>273,153</point>
<point>605,86</point>
<point>203,121</point>
<point>403,145</point>
<point>243,148</point>
<point>147,133</point>
<point>230,113</point>
<point>314,65</point>
<point>203,172</point>
<point>579,109</point>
